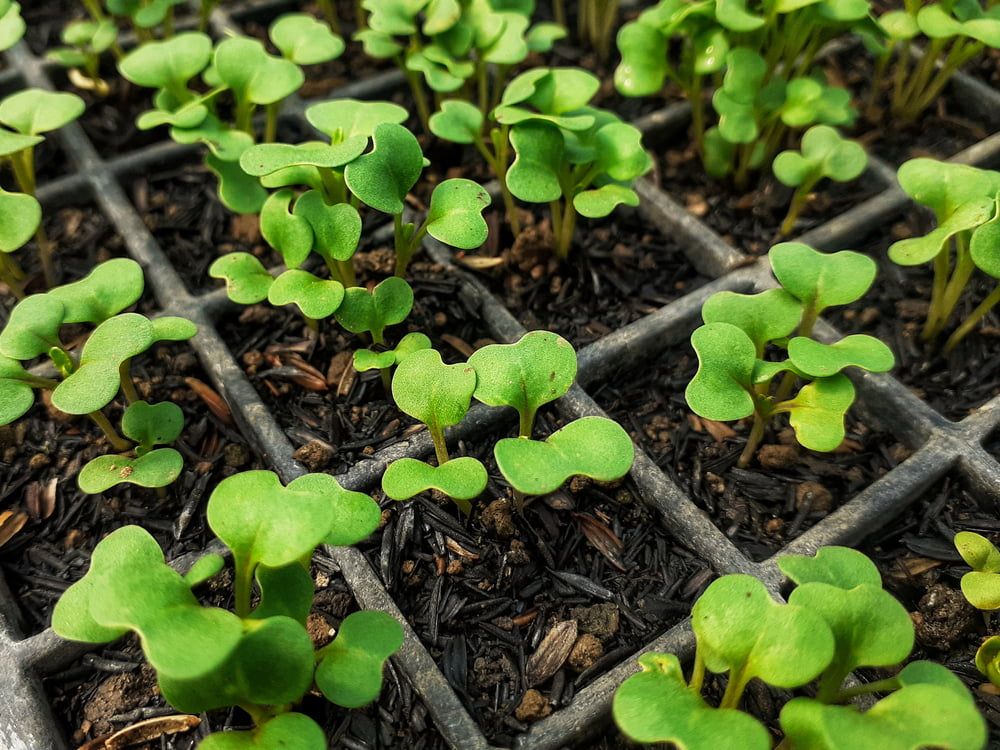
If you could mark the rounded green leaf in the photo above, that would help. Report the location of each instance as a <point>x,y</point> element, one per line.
<point>366,359</point>
<point>899,25</point>
<point>12,27</point>
<point>763,317</point>
<point>593,447</point>
<point>842,567</point>
<point>620,154</point>
<point>20,217</point>
<point>461,478</point>
<point>915,251</point>
<point>743,631</point>
<point>317,298</point>
<point>458,121</point>
<point>153,424</point>
<point>537,369</point>
<point>656,706</point>
<point>596,204</point>
<point>167,64</point>
<point>455,215</point>
<point>434,393</point>
<point>290,235</point>
<point>33,327</point>
<point>12,143</point>
<point>35,111</point>
<point>239,192</point>
<point>643,69</point>
<point>822,360</point>
<point>383,177</point>
<point>534,175</point>
<point>336,229</point>
<point>721,389</point>
<point>204,568</point>
<point>387,304</point>
<point>111,287</point>
<point>247,281</point>
<point>982,590</point>
<point>793,169</point>
<point>988,659</point>
<point>157,468</point>
<point>733,14</point>
<point>552,91</point>
<point>290,731</point>
<point>254,76</point>
<point>226,143</point>
<point>350,671</point>
<point>305,40</point>
<point>817,412</point>
<point>16,393</point>
<point>268,158</point>
<point>945,187</point>
<point>821,280</point>
<point>984,247</point>
<point>172,328</point>
<point>284,592</point>
<point>979,553</point>
<point>343,119</point>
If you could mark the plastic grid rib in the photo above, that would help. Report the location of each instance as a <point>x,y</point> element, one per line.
<point>939,446</point>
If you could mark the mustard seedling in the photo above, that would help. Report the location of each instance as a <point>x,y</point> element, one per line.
<point>437,395</point>
<point>259,658</point>
<point>579,159</point>
<point>86,42</point>
<point>981,588</point>
<point>735,379</point>
<point>964,200</point>
<point>24,118</point>
<point>462,47</point>
<point>824,154</point>
<point>838,618</point>
<point>372,159</point>
<point>12,26</point>
<point>20,219</point>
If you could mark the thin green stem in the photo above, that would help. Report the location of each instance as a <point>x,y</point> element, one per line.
<point>326,8</point>
<point>346,271</point>
<point>243,588</point>
<point>205,14</point>
<point>559,12</point>
<point>760,421</point>
<point>118,443</point>
<point>935,318</point>
<point>734,690</point>
<point>982,309</point>
<point>799,199</point>
<point>271,122</point>
<point>697,672</point>
<point>10,271</point>
<point>440,446</point>
<point>128,386</point>
<point>864,688</point>
<point>419,95</point>
<point>526,423</point>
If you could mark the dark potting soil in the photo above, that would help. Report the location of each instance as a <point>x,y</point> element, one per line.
<point>45,20</point>
<point>109,121</point>
<point>483,591</point>
<point>619,270</point>
<point>750,219</point>
<point>921,568</point>
<point>83,237</point>
<point>940,132</point>
<point>334,413</point>
<point>785,491</point>
<point>986,67</point>
<point>894,310</point>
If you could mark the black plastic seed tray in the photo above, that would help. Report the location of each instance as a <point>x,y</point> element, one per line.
<point>938,446</point>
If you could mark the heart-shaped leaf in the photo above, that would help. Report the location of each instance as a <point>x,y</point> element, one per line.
<point>350,671</point>
<point>204,568</point>
<point>226,143</point>
<point>156,468</point>
<point>537,369</point>
<point>35,111</point>
<point>239,192</point>
<point>33,327</point>
<point>284,592</point>
<point>593,447</point>
<point>290,235</point>
<point>534,175</point>
<point>383,177</point>
<point>643,69</point>
<point>341,120</point>
<point>21,214</point>
<point>254,76</point>
<point>462,479</point>
<point>915,251</point>
<point>336,228</point>
<point>984,243</point>
<point>979,553</point>
<point>455,214</point>
<point>168,64</point>
<point>817,412</point>
<point>268,158</point>
<point>763,317</point>
<point>16,390</point>
<point>247,281</point>
<point>822,360</point>
<point>317,298</point>
<point>12,143</point>
<point>387,304</point>
<point>153,424</point>
<point>111,287</point>
<point>12,27</point>
<point>657,706</point>
<point>733,14</point>
<point>945,187</point>
<point>457,121</point>
<point>820,280</point>
<point>598,203</point>
<point>366,359</point>
<point>782,644</point>
<point>988,658</point>
<point>289,731</point>
<point>305,40</point>
<point>434,393</point>
<point>722,388</point>
<point>842,567</point>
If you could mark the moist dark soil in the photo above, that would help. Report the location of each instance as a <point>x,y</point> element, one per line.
<point>750,219</point>
<point>921,568</point>
<point>335,414</point>
<point>484,591</point>
<point>83,237</point>
<point>940,132</point>
<point>784,491</point>
<point>45,20</point>
<point>894,310</point>
<point>986,67</point>
<point>619,270</point>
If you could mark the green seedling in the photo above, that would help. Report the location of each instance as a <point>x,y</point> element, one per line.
<point>345,171</point>
<point>146,17</point>
<point>12,26</point>
<point>981,588</point>
<point>950,35</point>
<point>965,203</point>
<point>86,42</point>
<point>736,380</point>
<point>370,312</point>
<point>259,658</point>
<point>20,219</point>
<point>148,426</point>
<point>24,117</point>
<point>458,47</point>
<point>577,158</point>
<point>89,381</point>
<point>596,24</point>
<point>824,154</point>
<point>760,58</point>
<point>437,395</point>
<point>838,618</point>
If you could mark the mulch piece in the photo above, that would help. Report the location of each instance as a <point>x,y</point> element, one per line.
<point>484,591</point>
<point>894,310</point>
<point>921,568</point>
<point>784,492</point>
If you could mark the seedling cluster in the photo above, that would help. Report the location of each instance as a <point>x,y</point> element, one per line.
<point>838,618</point>
<point>737,376</point>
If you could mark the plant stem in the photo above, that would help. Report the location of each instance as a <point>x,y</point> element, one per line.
<point>829,685</point>
<point>798,203</point>
<point>205,14</point>
<point>326,8</point>
<point>567,225</point>
<point>168,23</point>
<point>244,117</point>
<point>440,446</point>
<point>559,12</point>
<point>879,686</point>
<point>419,95</point>
<point>982,309</point>
<point>753,439</point>
<point>697,111</point>
<point>271,123</point>
<point>128,387</point>
<point>527,423</point>
<point>697,672</point>
<point>23,165</point>
<point>347,275</point>
<point>734,690</point>
<point>118,443</point>
<point>359,16</point>
<point>10,270</point>
<point>935,314</point>
<point>501,147</point>
<point>243,588</point>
